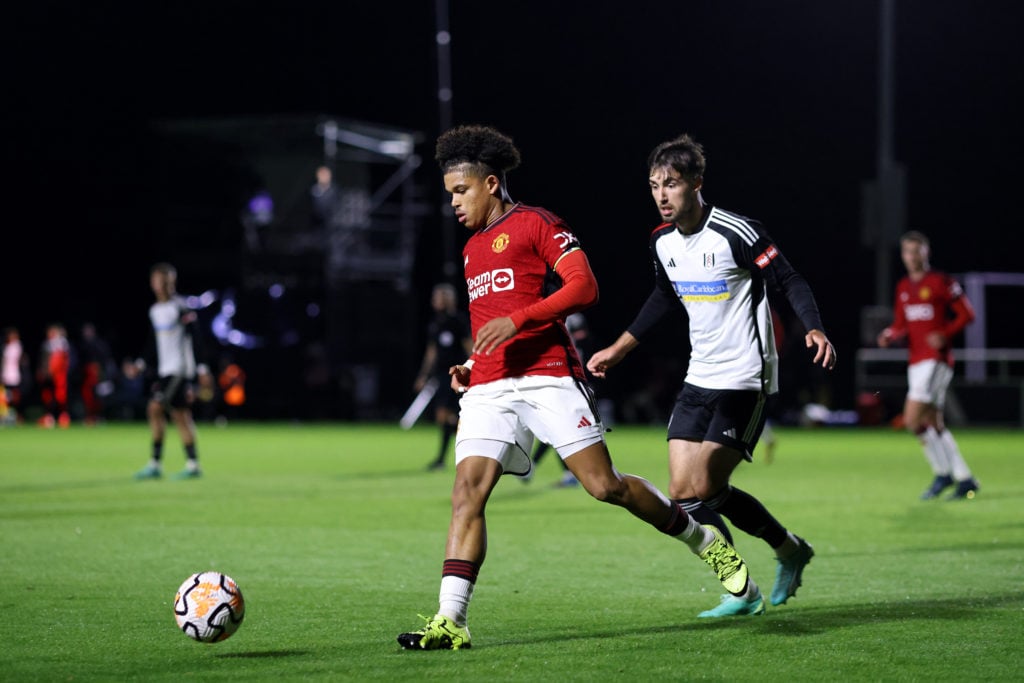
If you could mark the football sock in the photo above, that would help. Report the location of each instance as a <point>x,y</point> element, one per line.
<point>955,459</point>
<point>158,451</point>
<point>748,515</point>
<point>191,459</point>
<point>935,452</point>
<point>457,580</point>
<point>696,508</point>
<point>688,530</point>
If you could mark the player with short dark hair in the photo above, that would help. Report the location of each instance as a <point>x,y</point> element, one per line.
<point>930,309</point>
<point>525,380</point>
<point>175,341</point>
<point>714,266</point>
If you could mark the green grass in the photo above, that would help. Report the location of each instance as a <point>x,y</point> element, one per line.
<point>336,534</point>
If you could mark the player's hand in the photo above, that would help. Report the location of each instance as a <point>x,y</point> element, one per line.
<point>604,360</point>
<point>884,338</point>
<point>460,378</point>
<point>493,333</point>
<point>826,353</point>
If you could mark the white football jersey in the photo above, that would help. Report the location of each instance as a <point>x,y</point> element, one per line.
<point>174,351</point>
<point>716,274</point>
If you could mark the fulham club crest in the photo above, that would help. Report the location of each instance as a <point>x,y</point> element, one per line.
<point>709,261</point>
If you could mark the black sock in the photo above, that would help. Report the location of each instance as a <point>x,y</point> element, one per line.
<point>190,452</point>
<point>539,453</point>
<point>748,514</point>
<point>158,450</point>
<point>696,508</point>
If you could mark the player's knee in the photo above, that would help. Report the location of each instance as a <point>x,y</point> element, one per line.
<point>608,489</point>
<point>468,499</point>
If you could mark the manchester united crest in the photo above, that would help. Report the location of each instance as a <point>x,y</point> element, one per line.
<point>925,293</point>
<point>500,243</point>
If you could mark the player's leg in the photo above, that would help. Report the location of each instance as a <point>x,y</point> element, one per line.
<point>465,550</point>
<point>579,441</point>
<point>684,460</point>
<point>920,416</point>
<point>734,423</point>
<point>966,484</point>
<point>186,425</point>
<point>689,422</point>
<point>593,468</point>
<point>156,417</point>
<point>490,443</point>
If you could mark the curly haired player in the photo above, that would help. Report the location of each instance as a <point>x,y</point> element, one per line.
<point>525,380</point>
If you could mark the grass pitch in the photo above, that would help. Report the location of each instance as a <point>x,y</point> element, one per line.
<point>335,534</point>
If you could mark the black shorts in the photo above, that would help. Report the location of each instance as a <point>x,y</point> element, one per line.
<point>733,418</point>
<point>445,396</point>
<point>173,392</point>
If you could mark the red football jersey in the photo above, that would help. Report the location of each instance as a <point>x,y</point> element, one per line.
<point>506,265</point>
<point>936,302</point>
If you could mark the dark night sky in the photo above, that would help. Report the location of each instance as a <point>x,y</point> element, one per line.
<point>783,96</point>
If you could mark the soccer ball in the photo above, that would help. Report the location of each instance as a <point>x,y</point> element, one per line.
<point>209,607</point>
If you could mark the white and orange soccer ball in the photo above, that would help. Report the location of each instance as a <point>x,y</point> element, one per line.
<point>209,607</point>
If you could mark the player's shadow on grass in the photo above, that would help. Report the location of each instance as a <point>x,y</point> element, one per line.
<point>265,654</point>
<point>808,621</point>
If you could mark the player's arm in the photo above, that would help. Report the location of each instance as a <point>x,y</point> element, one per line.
<point>657,306</point>
<point>779,272</point>
<point>963,315</point>
<point>897,331</point>
<point>578,291</point>
<point>190,319</point>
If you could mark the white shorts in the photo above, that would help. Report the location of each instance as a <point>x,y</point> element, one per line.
<point>500,419</point>
<point>928,381</point>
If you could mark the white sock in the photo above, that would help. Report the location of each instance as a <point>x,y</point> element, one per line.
<point>696,536</point>
<point>935,452</point>
<point>454,598</point>
<point>960,469</point>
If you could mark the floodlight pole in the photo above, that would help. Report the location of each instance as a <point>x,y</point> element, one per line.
<point>890,186</point>
<point>443,39</point>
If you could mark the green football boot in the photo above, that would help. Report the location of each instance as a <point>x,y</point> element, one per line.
<point>440,633</point>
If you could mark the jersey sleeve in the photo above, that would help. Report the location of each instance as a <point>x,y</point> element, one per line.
<point>200,348</point>
<point>660,301</point>
<point>765,258</point>
<point>960,305</point>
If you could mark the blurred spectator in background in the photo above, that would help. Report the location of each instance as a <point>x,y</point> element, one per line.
<point>15,376</point>
<point>53,374</point>
<point>98,372</point>
<point>930,308</point>
<point>128,401</point>
<point>325,197</point>
<point>449,343</point>
<point>232,389</point>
